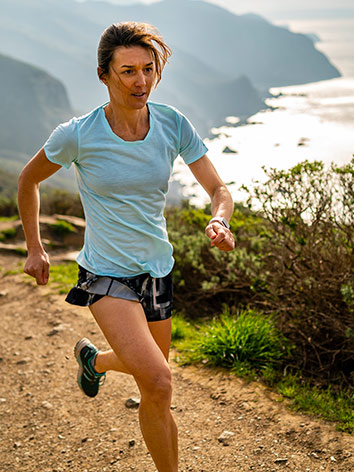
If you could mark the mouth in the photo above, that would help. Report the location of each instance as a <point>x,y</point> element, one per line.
<point>139,95</point>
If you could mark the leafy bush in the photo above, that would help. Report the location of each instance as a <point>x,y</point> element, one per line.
<point>60,202</point>
<point>293,257</point>
<point>206,278</point>
<point>309,212</point>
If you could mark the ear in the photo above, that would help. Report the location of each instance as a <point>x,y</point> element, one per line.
<point>101,75</point>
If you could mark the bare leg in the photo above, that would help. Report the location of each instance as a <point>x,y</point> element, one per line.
<point>161,332</point>
<point>125,327</point>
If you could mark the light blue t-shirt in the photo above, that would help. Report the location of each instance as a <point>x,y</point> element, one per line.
<point>123,186</point>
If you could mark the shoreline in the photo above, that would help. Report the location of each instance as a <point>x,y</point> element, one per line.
<point>304,122</point>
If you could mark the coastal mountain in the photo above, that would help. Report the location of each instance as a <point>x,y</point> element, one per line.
<point>32,104</point>
<point>222,65</point>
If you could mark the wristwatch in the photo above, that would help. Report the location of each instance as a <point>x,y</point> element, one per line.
<point>221,220</point>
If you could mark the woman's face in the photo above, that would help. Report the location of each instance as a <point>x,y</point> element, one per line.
<point>131,76</point>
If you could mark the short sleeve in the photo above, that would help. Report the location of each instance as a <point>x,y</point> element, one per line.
<point>62,146</point>
<point>191,144</point>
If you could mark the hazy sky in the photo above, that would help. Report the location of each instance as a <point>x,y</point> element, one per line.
<point>280,8</point>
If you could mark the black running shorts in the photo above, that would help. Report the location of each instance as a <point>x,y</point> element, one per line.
<point>154,294</point>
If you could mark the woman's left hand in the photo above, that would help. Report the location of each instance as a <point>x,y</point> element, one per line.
<point>220,236</point>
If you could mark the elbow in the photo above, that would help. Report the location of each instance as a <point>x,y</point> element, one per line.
<point>25,180</point>
<point>222,191</point>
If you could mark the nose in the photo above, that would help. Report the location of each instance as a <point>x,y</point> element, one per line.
<point>140,79</point>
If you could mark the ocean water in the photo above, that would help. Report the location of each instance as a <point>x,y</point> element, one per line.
<point>312,121</point>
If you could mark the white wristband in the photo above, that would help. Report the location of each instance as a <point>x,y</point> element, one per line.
<point>220,219</point>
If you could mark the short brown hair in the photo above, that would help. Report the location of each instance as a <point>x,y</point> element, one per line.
<point>128,34</point>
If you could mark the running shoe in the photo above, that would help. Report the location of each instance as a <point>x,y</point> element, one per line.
<point>87,378</point>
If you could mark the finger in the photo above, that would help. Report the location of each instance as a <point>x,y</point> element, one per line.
<point>45,274</point>
<point>209,231</point>
<point>227,244</point>
<point>219,238</point>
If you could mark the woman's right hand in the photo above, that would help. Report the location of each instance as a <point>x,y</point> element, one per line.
<point>37,266</point>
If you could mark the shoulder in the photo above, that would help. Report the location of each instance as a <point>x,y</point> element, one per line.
<point>169,116</point>
<point>87,118</point>
<point>165,110</point>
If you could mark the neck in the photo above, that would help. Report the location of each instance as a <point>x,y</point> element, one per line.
<point>127,123</point>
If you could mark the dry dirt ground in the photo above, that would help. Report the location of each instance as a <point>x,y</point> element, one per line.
<point>48,425</point>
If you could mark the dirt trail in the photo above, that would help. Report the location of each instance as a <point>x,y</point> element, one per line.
<point>48,425</point>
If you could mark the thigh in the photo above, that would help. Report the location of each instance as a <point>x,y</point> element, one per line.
<point>124,325</point>
<point>161,332</point>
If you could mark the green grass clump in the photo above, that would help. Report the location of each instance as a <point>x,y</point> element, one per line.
<point>62,227</point>
<point>242,342</point>
<point>326,403</point>
<point>182,329</point>
<point>20,251</point>
<point>64,276</point>
<point>7,234</point>
<point>8,218</point>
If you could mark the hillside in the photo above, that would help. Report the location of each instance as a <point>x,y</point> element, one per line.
<point>213,49</point>
<point>33,103</point>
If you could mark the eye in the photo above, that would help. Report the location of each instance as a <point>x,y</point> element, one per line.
<point>127,72</point>
<point>148,69</point>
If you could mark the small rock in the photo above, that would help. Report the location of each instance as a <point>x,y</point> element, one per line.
<point>333,459</point>
<point>281,460</point>
<point>316,456</point>
<point>2,400</point>
<point>131,443</point>
<point>3,293</point>
<point>56,330</point>
<point>47,405</point>
<point>132,402</point>
<point>17,445</point>
<point>23,361</point>
<point>225,438</point>
<point>28,338</point>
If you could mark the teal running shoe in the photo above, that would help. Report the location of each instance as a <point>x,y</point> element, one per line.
<point>88,379</point>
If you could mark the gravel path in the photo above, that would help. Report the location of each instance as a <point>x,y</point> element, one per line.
<point>48,425</point>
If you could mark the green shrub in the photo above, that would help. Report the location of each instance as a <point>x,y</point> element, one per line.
<point>204,277</point>
<point>309,264</point>
<point>247,338</point>
<point>293,256</point>
<point>60,202</point>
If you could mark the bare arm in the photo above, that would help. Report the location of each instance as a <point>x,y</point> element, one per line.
<point>221,203</point>
<point>36,170</point>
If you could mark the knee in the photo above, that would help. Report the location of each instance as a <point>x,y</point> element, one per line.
<point>157,388</point>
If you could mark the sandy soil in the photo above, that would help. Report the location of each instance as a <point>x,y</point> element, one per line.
<point>48,425</point>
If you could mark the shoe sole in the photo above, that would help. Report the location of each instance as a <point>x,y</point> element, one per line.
<point>77,350</point>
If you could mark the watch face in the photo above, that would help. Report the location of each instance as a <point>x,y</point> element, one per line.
<point>221,220</point>
<point>225,223</point>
